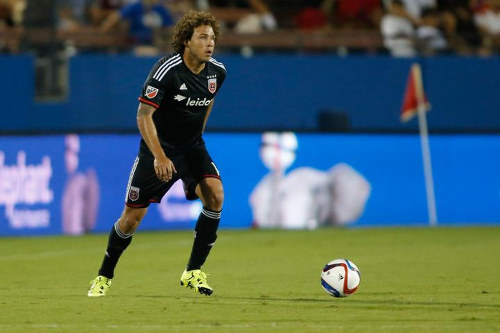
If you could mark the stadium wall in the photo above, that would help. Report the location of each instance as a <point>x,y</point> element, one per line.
<point>76,183</point>
<point>263,92</point>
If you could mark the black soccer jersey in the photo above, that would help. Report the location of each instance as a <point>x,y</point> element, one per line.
<point>181,99</point>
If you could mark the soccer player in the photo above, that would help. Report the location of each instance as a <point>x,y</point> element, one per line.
<point>175,103</point>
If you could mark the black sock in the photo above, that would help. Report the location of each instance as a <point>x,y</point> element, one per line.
<point>117,243</point>
<point>204,237</point>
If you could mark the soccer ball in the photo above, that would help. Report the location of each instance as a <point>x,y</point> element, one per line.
<point>340,278</point>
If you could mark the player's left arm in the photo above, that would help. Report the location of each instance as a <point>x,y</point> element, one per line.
<point>209,109</point>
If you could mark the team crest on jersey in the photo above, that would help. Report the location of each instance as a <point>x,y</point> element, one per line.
<point>212,85</point>
<point>133,193</point>
<point>151,92</point>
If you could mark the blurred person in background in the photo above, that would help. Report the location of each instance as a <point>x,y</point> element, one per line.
<point>174,106</point>
<point>488,22</point>
<point>430,38</point>
<point>459,26</point>
<point>180,7</point>
<point>11,15</point>
<point>398,31</point>
<point>313,16</point>
<point>412,15</point>
<point>415,8</point>
<point>353,14</point>
<point>100,10</point>
<point>141,19</point>
<point>339,14</point>
<point>358,14</point>
<point>11,12</point>
<point>74,14</point>
<point>260,19</point>
<point>454,19</point>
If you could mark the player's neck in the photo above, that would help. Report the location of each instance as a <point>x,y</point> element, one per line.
<point>192,64</point>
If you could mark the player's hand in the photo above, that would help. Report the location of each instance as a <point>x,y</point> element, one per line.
<point>164,168</point>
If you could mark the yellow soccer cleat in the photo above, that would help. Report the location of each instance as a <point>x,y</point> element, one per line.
<point>99,286</point>
<point>196,280</point>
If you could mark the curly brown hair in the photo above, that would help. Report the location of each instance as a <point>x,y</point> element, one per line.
<point>183,30</point>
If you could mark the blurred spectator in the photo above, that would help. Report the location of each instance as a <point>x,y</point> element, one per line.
<point>179,7</point>
<point>100,10</point>
<point>488,22</point>
<point>358,13</point>
<point>398,31</point>
<point>141,18</point>
<point>314,15</point>
<point>476,5</point>
<point>416,7</point>
<point>413,15</point>
<point>459,26</point>
<point>261,18</point>
<point>74,13</point>
<point>353,14</point>
<point>342,14</point>
<point>431,39</point>
<point>11,12</point>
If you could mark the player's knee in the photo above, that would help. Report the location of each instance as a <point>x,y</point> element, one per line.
<point>215,200</point>
<point>128,223</point>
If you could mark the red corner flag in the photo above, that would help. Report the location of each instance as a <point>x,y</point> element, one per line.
<point>414,95</point>
<point>415,103</point>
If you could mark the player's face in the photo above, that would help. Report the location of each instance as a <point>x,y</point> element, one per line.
<point>202,43</point>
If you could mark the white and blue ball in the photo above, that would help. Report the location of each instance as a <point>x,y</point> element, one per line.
<point>340,278</point>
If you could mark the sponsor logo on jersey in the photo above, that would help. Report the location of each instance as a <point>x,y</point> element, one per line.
<point>133,193</point>
<point>179,98</point>
<point>183,87</point>
<point>198,102</point>
<point>212,85</point>
<point>151,92</point>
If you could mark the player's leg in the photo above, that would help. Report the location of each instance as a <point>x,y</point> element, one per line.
<point>119,239</point>
<point>211,193</point>
<point>203,182</point>
<point>143,188</point>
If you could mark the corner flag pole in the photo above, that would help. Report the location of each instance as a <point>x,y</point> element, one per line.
<point>424,140</point>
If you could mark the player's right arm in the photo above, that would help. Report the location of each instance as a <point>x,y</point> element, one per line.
<point>164,167</point>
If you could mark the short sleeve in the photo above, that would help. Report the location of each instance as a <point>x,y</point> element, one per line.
<point>152,92</point>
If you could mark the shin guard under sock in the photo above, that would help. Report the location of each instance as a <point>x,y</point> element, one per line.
<point>204,237</point>
<point>117,243</point>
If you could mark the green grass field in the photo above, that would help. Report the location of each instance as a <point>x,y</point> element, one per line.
<point>412,280</point>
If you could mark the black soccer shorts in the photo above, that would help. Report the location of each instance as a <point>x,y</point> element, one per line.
<point>144,187</point>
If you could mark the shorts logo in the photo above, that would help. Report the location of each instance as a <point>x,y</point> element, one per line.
<point>133,193</point>
<point>151,92</point>
<point>212,85</point>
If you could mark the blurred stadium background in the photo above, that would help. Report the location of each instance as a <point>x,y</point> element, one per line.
<point>317,85</point>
